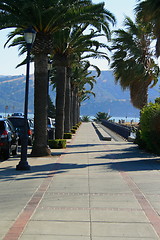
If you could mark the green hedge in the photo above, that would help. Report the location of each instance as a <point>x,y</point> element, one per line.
<point>73,131</point>
<point>78,124</point>
<point>67,135</point>
<point>148,136</point>
<point>57,143</point>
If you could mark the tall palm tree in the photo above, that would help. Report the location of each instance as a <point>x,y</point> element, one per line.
<point>69,45</point>
<point>81,77</point>
<point>148,11</point>
<point>133,63</point>
<point>48,17</point>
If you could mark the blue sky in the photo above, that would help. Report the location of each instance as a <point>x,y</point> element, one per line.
<point>9,56</point>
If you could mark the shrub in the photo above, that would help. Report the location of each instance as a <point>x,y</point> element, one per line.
<point>67,135</point>
<point>57,143</point>
<point>149,133</point>
<point>85,118</point>
<point>139,140</point>
<point>102,115</point>
<point>74,127</point>
<point>73,131</point>
<point>78,124</point>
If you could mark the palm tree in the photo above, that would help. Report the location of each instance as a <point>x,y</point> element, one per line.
<point>47,17</point>
<point>133,61</point>
<point>79,79</point>
<point>69,45</point>
<point>148,11</point>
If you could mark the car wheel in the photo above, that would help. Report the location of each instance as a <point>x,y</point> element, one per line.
<point>6,154</point>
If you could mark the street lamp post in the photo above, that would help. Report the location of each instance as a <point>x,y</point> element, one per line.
<point>49,71</point>
<point>29,35</point>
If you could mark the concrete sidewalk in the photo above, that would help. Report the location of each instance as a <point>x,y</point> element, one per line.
<point>93,190</point>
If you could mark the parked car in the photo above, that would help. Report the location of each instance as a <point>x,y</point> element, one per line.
<point>8,139</point>
<point>17,114</point>
<point>18,123</point>
<point>51,128</point>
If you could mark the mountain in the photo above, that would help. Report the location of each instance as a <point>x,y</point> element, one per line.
<point>12,90</point>
<point>109,96</point>
<point>112,99</point>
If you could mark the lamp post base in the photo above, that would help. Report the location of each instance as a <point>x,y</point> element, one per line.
<point>23,166</point>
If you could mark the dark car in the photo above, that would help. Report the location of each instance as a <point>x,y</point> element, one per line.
<point>8,139</point>
<point>18,123</point>
<point>17,114</point>
<point>51,128</point>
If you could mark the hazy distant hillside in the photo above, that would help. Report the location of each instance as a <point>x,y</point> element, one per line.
<point>12,93</point>
<point>109,96</point>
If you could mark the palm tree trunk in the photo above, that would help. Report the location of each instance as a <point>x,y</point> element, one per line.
<point>71,110</point>
<point>67,122</point>
<point>40,147</point>
<point>78,111</point>
<point>60,100</point>
<point>139,94</point>
<point>74,106</point>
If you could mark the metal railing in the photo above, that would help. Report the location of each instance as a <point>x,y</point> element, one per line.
<point>123,131</point>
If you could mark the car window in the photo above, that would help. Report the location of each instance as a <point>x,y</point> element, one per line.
<point>17,122</point>
<point>31,123</point>
<point>8,127</point>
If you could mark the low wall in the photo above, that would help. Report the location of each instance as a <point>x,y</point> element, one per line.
<point>123,131</point>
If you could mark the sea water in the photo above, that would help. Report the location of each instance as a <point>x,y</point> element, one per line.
<point>115,119</point>
<point>6,114</point>
<point>125,119</point>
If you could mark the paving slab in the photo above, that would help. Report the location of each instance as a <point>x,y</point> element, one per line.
<point>126,230</point>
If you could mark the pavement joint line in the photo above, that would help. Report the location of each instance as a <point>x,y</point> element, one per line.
<point>149,211</point>
<point>94,221</point>
<point>87,194</point>
<point>90,208</point>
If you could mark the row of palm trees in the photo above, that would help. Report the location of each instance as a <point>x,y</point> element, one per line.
<point>55,21</point>
<point>69,46</point>
<point>67,32</point>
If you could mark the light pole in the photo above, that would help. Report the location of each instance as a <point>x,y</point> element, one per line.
<point>29,35</point>
<point>49,71</point>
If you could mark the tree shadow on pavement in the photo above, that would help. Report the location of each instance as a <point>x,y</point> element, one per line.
<point>124,159</point>
<point>126,153</point>
<point>47,170</point>
<point>137,165</point>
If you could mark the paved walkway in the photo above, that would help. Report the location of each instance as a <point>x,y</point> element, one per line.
<point>94,190</point>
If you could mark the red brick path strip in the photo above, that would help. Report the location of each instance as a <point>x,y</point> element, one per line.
<point>18,226</point>
<point>151,214</point>
<point>20,223</point>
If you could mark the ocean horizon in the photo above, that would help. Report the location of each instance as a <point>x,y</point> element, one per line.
<point>6,114</point>
<point>116,119</point>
